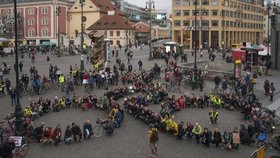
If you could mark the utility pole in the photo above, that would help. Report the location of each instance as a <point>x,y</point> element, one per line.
<point>150,4</point>
<point>195,40</point>
<point>58,12</point>
<point>200,30</point>
<point>223,32</point>
<point>18,109</point>
<point>268,31</point>
<point>126,33</point>
<point>82,24</point>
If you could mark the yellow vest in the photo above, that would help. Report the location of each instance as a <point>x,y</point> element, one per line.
<point>61,79</point>
<point>74,72</point>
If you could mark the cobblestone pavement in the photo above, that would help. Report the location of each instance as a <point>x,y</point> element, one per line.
<point>130,141</point>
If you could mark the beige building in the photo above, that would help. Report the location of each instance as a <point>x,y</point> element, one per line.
<point>118,29</point>
<point>93,10</point>
<point>219,22</point>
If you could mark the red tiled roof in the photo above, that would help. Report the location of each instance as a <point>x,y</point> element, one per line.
<point>142,27</point>
<point>106,5</point>
<point>111,22</point>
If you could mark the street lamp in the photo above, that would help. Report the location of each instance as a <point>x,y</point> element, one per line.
<point>18,109</point>
<point>82,24</point>
<point>223,34</point>
<point>126,33</point>
<point>195,25</point>
<point>268,6</point>
<point>150,5</point>
<point>58,12</point>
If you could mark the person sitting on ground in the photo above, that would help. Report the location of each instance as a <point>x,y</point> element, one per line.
<point>56,135</point>
<point>38,132</point>
<point>227,139</point>
<point>68,134</point>
<point>217,137</point>
<point>244,135</point>
<point>87,130</point>
<point>77,133</point>
<point>47,135</point>
<point>206,137</point>
<point>197,131</point>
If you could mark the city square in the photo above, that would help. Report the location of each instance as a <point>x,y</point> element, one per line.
<point>131,138</point>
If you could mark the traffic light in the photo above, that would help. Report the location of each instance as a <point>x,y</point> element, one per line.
<point>273,21</point>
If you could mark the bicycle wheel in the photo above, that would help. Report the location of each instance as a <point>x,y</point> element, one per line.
<point>31,92</point>
<point>24,92</point>
<point>276,120</point>
<point>43,90</point>
<point>97,131</point>
<point>23,151</point>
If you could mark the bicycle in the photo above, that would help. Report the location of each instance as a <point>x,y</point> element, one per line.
<point>21,152</point>
<point>270,114</point>
<point>98,130</point>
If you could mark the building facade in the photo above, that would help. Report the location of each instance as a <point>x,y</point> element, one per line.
<point>117,28</point>
<point>132,11</point>
<point>220,23</point>
<point>93,10</point>
<point>43,21</point>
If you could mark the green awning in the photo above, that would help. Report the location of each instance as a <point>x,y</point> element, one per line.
<point>47,43</point>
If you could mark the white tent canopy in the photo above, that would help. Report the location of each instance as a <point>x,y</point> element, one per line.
<point>4,39</point>
<point>264,52</point>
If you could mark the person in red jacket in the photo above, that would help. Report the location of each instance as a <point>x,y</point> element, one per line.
<point>182,102</point>
<point>47,135</point>
<point>56,135</point>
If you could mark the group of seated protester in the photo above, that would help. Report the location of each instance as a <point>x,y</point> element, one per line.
<point>141,112</point>
<point>166,123</point>
<point>48,135</point>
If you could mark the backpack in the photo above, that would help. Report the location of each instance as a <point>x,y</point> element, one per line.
<point>154,137</point>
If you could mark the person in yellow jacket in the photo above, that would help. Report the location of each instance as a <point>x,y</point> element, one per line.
<point>197,131</point>
<point>174,128</point>
<point>74,72</point>
<point>27,112</point>
<point>153,139</point>
<point>213,116</point>
<point>61,79</point>
<point>62,102</point>
<point>113,113</point>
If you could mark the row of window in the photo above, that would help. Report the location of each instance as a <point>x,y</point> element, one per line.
<point>227,3</point>
<point>189,2</point>
<point>44,32</point>
<point>215,12</point>
<point>31,11</point>
<point>118,33</point>
<point>215,23</point>
<point>44,21</point>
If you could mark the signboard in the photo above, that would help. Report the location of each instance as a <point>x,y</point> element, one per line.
<point>17,140</point>
<point>161,16</point>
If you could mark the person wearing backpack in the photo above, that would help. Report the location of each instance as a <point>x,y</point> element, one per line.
<point>153,138</point>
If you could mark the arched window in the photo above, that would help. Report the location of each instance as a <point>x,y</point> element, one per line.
<point>30,32</point>
<point>45,32</point>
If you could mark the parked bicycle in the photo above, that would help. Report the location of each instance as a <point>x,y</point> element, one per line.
<point>271,114</point>
<point>21,152</point>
